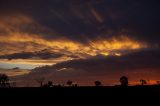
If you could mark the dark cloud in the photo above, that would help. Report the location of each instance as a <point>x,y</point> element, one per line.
<point>138,60</point>
<point>44,54</point>
<point>78,20</point>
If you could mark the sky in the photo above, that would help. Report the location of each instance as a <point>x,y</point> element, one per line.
<point>85,38</point>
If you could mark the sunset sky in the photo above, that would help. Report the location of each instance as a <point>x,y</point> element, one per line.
<point>80,40</point>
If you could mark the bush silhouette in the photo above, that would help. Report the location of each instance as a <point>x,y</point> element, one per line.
<point>49,84</point>
<point>124,81</point>
<point>97,83</point>
<point>69,83</point>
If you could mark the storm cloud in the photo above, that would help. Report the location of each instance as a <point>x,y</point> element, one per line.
<point>81,20</point>
<point>139,60</point>
<point>89,27</point>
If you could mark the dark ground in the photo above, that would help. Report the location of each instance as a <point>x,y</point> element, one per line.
<point>82,96</point>
<point>79,96</point>
<point>115,91</point>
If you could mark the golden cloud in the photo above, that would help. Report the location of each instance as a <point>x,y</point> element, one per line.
<point>26,41</point>
<point>99,46</point>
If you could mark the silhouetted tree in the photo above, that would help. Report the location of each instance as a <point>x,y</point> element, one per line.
<point>124,81</point>
<point>4,80</point>
<point>143,82</point>
<point>97,83</point>
<point>40,81</point>
<point>49,84</point>
<point>69,83</point>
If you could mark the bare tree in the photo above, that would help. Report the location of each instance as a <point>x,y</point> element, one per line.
<point>40,81</point>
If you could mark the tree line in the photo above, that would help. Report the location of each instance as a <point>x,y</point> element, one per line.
<point>6,83</point>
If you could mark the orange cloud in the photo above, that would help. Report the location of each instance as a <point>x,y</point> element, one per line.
<point>13,73</point>
<point>100,46</point>
<point>12,23</point>
<point>30,42</point>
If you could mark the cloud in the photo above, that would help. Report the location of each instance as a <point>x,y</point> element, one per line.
<point>78,28</point>
<point>23,34</point>
<point>139,60</point>
<point>26,34</point>
<point>96,15</point>
<point>135,65</point>
<point>95,47</point>
<point>20,24</point>
<point>139,19</point>
<point>18,47</point>
<point>44,54</point>
<point>14,72</point>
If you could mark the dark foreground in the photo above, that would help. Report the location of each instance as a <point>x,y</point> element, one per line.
<point>64,92</point>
